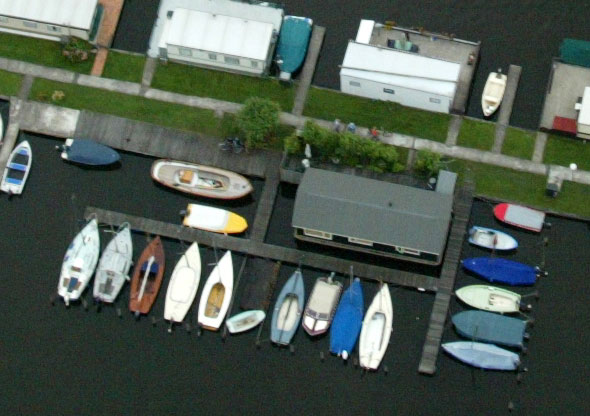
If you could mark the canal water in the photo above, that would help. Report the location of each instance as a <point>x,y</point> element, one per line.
<point>58,360</point>
<point>525,33</point>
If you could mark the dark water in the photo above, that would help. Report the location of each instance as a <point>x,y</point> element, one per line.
<point>525,33</point>
<point>71,361</point>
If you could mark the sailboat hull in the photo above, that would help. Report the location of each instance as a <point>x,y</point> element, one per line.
<point>288,309</point>
<point>146,282</point>
<point>376,331</point>
<point>217,293</point>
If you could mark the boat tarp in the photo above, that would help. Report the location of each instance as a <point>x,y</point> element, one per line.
<point>496,269</point>
<point>348,320</point>
<point>490,327</point>
<point>89,152</point>
<point>575,52</point>
<point>525,217</point>
<point>293,43</point>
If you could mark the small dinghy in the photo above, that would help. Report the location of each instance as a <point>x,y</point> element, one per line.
<point>183,285</point>
<point>348,320</point>
<point>147,278</point>
<point>519,216</point>
<point>321,305</point>
<point>491,328</point>
<point>288,310</point>
<point>493,92</point>
<point>376,331</point>
<point>490,298</point>
<point>217,294</point>
<point>492,239</point>
<point>244,321</point>
<point>113,268</point>
<point>200,180</point>
<point>495,269</point>
<point>481,355</point>
<point>17,169</point>
<point>213,219</point>
<point>79,263</point>
<point>87,152</point>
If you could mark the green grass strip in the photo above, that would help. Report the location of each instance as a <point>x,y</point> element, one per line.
<point>563,151</point>
<point>124,66</point>
<point>10,83</point>
<point>519,143</point>
<point>329,105</point>
<point>476,134</point>
<point>191,80</point>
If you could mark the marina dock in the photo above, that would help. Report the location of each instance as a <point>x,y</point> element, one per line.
<point>313,52</point>
<point>513,77</point>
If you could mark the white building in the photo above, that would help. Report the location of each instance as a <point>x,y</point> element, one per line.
<point>584,116</point>
<point>230,35</point>
<point>51,19</point>
<point>407,78</point>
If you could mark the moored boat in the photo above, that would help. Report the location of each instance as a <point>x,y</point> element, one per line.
<point>519,216</point>
<point>348,320</point>
<point>113,267</point>
<point>376,331</point>
<point>487,356</point>
<point>492,239</point>
<point>244,321</point>
<point>217,293</point>
<point>490,298</point>
<point>321,305</point>
<point>17,169</point>
<point>493,92</point>
<point>79,262</point>
<point>292,44</point>
<point>288,309</point>
<point>147,278</point>
<point>214,219</point>
<point>496,269</point>
<point>200,180</point>
<point>491,328</point>
<point>87,152</point>
<point>183,285</point>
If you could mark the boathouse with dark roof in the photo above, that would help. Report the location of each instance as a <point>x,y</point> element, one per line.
<point>372,216</point>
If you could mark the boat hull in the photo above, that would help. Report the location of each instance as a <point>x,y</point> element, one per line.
<point>244,321</point>
<point>490,298</point>
<point>493,92</point>
<point>214,219</point>
<point>288,309</point>
<point>519,216</point>
<point>217,293</point>
<point>88,152</point>
<point>113,268</point>
<point>348,320</point>
<point>17,169</point>
<point>486,356</point>
<point>147,277</point>
<point>495,269</point>
<point>376,331</point>
<point>321,306</point>
<point>491,239</point>
<point>183,285</point>
<point>491,328</point>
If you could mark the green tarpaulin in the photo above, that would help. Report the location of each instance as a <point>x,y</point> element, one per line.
<point>575,52</point>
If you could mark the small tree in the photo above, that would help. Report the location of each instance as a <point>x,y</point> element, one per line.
<point>259,120</point>
<point>427,163</point>
<point>293,144</point>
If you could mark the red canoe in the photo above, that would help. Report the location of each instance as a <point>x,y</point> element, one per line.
<point>520,216</point>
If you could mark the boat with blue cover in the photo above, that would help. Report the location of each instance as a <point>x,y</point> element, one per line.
<point>288,310</point>
<point>292,46</point>
<point>491,327</point>
<point>492,239</point>
<point>500,270</point>
<point>87,152</point>
<point>487,356</point>
<point>348,320</point>
<point>17,169</point>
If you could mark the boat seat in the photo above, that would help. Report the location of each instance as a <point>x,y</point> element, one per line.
<point>18,166</point>
<point>490,98</point>
<point>187,176</point>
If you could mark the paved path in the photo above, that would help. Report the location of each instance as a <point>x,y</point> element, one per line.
<point>313,52</point>
<point>148,71</point>
<point>540,142</point>
<point>454,127</point>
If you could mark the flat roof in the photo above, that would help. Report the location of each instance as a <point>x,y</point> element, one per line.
<point>584,116</point>
<point>70,13</point>
<point>381,212</point>
<point>220,33</point>
<point>394,67</point>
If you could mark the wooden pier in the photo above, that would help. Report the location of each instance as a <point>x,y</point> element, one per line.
<point>446,283</point>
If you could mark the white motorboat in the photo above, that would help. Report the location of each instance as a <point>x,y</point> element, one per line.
<point>183,285</point>
<point>245,321</point>
<point>376,331</point>
<point>213,219</point>
<point>492,239</point>
<point>321,306</point>
<point>217,294</point>
<point>493,92</point>
<point>79,262</point>
<point>17,169</point>
<point>113,267</point>
<point>490,298</point>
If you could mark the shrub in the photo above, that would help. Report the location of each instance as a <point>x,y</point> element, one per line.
<point>259,120</point>
<point>293,144</point>
<point>428,163</point>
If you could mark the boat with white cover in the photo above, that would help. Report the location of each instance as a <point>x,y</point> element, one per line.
<point>487,356</point>
<point>183,285</point>
<point>217,294</point>
<point>490,298</point>
<point>79,262</point>
<point>113,267</point>
<point>245,321</point>
<point>321,305</point>
<point>376,331</point>
<point>17,169</point>
<point>493,92</point>
<point>492,239</point>
<point>213,219</point>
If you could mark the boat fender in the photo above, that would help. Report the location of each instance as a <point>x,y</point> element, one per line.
<point>344,355</point>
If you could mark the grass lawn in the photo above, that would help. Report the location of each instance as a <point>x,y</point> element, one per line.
<point>563,151</point>
<point>10,83</point>
<point>124,66</point>
<point>476,134</point>
<point>122,105</point>
<point>40,51</point>
<point>519,143</point>
<point>330,105</point>
<point>191,80</point>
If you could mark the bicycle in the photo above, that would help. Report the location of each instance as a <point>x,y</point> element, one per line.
<point>232,144</point>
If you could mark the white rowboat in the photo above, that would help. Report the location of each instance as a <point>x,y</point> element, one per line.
<point>493,92</point>
<point>490,298</point>
<point>244,321</point>
<point>17,169</point>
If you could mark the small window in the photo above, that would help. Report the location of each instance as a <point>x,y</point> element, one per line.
<point>317,234</point>
<point>3,19</point>
<point>52,28</point>
<point>213,56</point>
<point>354,83</point>
<point>254,64</point>
<point>388,91</point>
<point>403,250</point>
<point>360,241</point>
<point>230,60</point>
<point>32,25</point>
<point>435,100</point>
<point>185,51</point>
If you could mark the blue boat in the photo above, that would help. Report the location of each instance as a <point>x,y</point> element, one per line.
<point>490,327</point>
<point>292,46</point>
<point>88,152</point>
<point>500,270</point>
<point>486,356</point>
<point>348,320</point>
<point>288,310</point>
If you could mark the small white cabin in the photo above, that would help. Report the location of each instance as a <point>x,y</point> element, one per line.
<point>584,116</point>
<point>222,34</point>
<point>51,19</point>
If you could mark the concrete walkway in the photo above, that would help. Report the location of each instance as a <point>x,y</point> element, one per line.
<point>454,127</point>
<point>313,52</point>
<point>148,71</point>
<point>540,142</point>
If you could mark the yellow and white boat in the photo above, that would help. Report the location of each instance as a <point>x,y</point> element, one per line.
<point>214,219</point>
